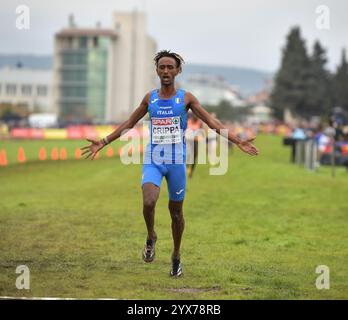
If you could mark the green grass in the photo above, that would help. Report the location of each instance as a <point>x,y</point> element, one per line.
<point>257,232</point>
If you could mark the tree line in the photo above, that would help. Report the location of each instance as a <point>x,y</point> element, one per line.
<point>303,85</point>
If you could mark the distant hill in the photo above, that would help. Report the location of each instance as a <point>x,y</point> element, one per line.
<point>248,81</point>
<point>27,61</point>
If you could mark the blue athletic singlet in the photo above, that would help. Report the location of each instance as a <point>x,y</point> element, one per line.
<point>165,155</point>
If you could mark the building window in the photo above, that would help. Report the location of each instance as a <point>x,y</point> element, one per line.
<point>83,42</point>
<point>26,89</point>
<point>42,90</point>
<point>95,42</point>
<point>11,89</point>
<point>69,42</point>
<point>74,58</point>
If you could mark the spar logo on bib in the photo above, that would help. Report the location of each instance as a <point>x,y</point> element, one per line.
<point>162,122</point>
<point>165,130</point>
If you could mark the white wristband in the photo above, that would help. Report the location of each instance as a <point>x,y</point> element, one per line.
<point>105,140</point>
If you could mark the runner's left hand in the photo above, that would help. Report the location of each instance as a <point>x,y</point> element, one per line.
<point>247,147</point>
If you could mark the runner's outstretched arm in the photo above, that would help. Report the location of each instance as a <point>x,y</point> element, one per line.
<point>96,145</point>
<point>244,145</point>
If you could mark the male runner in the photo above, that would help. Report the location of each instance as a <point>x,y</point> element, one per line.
<point>165,154</point>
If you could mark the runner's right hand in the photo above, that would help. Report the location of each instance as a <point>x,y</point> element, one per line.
<point>93,148</point>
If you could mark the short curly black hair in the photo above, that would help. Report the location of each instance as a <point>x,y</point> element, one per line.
<point>167,53</point>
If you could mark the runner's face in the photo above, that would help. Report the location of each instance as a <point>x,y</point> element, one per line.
<point>167,70</point>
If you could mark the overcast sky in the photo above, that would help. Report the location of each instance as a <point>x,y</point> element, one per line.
<point>244,33</point>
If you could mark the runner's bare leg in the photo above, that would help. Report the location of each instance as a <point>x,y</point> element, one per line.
<point>150,197</point>
<point>178,225</point>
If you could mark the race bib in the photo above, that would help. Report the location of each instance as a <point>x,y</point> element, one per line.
<point>166,130</point>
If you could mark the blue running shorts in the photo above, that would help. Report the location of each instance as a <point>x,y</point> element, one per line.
<point>175,175</point>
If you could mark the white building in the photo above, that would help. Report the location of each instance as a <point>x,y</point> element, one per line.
<point>132,65</point>
<point>102,74</point>
<point>28,87</point>
<point>260,113</point>
<point>211,90</point>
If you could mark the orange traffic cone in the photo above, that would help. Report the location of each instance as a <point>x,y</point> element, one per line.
<point>3,158</point>
<point>120,151</point>
<point>54,154</point>
<point>63,154</point>
<point>77,153</point>
<point>42,154</point>
<point>109,152</point>
<point>21,155</point>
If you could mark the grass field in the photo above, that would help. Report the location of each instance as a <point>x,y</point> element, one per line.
<point>257,232</point>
